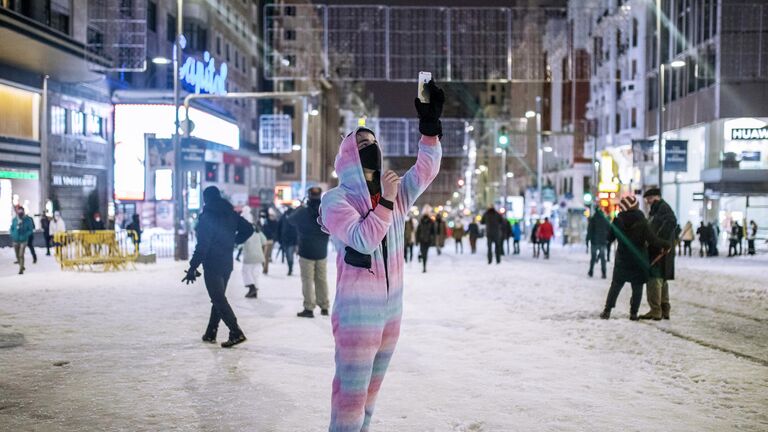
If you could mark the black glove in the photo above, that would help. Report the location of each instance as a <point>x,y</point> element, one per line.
<point>430,112</point>
<point>191,276</point>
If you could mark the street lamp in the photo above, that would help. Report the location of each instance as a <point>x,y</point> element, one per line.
<point>530,114</point>
<point>677,64</point>
<point>161,61</point>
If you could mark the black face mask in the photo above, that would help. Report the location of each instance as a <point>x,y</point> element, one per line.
<point>371,159</point>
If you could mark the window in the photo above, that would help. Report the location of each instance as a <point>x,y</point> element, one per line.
<point>237,59</point>
<point>239,177</point>
<point>152,16</point>
<point>586,184</point>
<point>633,123</point>
<point>289,167</point>
<point>170,28</point>
<point>226,51</point>
<point>95,125</point>
<point>58,120</point>
<point>197,36</point>
<point>95,41</point>
<point>634,70</point>
<point>218,45</point>
<point>635,31</point>
<point>226,173</point>
<point>212,172</point>
<point>290,34</point>
<point>59,15</point>
<point>77,123</point>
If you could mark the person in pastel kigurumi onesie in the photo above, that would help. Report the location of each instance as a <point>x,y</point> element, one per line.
<point>365,216</point>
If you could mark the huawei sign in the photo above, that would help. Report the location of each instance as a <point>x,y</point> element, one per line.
<point>749,133</point>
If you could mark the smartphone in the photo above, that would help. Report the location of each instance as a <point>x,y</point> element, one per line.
<point>424,78</point>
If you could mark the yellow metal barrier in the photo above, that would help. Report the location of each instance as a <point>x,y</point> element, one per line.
<point>78,250</point>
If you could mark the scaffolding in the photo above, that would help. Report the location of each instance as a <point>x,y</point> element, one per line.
<point>117,31</point>
<point>304,42</point>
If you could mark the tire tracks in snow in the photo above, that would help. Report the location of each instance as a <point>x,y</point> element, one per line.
<point>723,311</point>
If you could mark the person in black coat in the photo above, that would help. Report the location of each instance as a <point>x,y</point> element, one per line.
<point>663,223</point>
<point>288,238</point>
<point>633,235</point>
<point>313,254</point>
<point>597,238</point>
<point>219,229</point>
<point>269,228</point>
<point>135,226</point>
<point>493,222</point>
<point>702,232</point>
<point>426,236</point>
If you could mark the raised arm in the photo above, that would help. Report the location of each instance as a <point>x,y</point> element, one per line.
<point>361,233</point>
<point>421,174</point>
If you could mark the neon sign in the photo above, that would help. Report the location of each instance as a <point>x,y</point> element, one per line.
<point>202,75</point>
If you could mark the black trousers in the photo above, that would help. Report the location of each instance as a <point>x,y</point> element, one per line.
<point>495,246</point>
<point>598,253</point>
<point>216,284</point>
<point>751,246</point>
<point>516,245</point>
<point>545,247</point>
<point>615,290</point>
<point>31,246</point>
<point>687,247</point>
<point>423,252</point>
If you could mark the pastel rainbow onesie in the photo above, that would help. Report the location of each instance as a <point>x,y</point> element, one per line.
<point>369,302</point>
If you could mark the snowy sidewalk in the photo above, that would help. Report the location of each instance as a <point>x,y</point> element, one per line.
<point>510,347</point>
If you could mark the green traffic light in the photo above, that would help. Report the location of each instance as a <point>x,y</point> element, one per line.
<point>503,140</point>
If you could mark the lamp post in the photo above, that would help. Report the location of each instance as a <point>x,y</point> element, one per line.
<point>539,157</point>
<point>180,233</point>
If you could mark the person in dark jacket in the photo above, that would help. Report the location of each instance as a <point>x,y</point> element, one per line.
<point>219,229</point>
<point>751,237</point>
<point>95,223</point>
<point>597,238</point>
<point>135,226</point>
<point>31,243</point>
<point>535,239</point>
<point>733,238</point>
<point>712,235</point>
<point>409,237</point>
<point>506,234</point>
<point>441,232</point>
<point>473,230</point>
<point>493,222</point>
<point>288,238</point>
<point>426,236</point>
<point>269,228</point>
<point>516,234</point>
<point>702,233</point>
<point>45,224</point>
<point>21,230</point>
<point>740,237</point>
<point>313,255</point>
<point>664,226</point>
<point>633,235</point>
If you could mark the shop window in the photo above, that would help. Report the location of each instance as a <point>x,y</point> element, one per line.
<point>77,123</point>
<point>239,175</point>
<point>289,167</point>
<point>211,172</point>
<point>58,120</point>
<point>152,16</point>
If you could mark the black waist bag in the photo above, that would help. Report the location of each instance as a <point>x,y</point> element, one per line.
<point>356,259</point>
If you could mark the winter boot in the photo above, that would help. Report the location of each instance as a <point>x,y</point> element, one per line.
<point>252,291</point>
<point>232,341</point>
<point>306,313</point>
<point>633,316</point>
<point>209,337</point>
<point>606,314</point>
<point>324,312</point>
<point>665,311</point>
<point>650,315</point>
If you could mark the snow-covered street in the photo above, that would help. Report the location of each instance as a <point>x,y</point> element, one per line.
<point>511,347</point>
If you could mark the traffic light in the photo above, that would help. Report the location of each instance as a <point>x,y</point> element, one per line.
<point>503,137</point>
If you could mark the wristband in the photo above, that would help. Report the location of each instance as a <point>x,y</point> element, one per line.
<point>387,203</point>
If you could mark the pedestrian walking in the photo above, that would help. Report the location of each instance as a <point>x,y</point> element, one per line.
<point>135,226</point>
<point>365,216</point>
<point>633,235</point>
<point>458,236</point>
<point>535,239</point>
<point>712,237</point>
<point>426,235</point>
<point>597,238</point>
<point>288,238</point>
<point>31,242</point>
<point>441,230</point>
<point>740,237</point>
<point>253,261</point>
<point>219,229</point>
<point>687,237</point>
<point>270,231</point>
<point>701,233</point>
<point>410,238</point>
<point>751,237</point>
<point>313,255</point>
<point>733,238</point>
<point>473,231</point>
<point>546,233</point>
<point>662,221</point>
<point>516,235</point>
<point>493,222</point>
<point>506,234</point>
<point>22,228</point>
<point>45,224</point>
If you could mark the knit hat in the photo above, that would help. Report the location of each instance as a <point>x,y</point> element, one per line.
<point>627,203</point>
